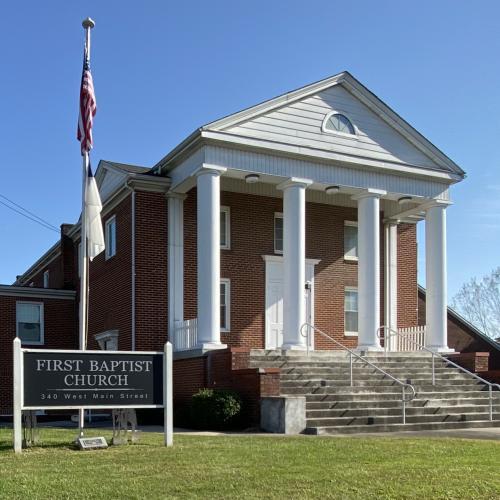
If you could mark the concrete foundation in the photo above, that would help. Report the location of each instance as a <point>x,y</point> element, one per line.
<point>283,414</point>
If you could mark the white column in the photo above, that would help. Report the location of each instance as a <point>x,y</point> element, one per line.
<point>175,262</point>
<point>435,277</point>
<point>294,261</point>
<point>208,251</point>
<point>369,269</point>
<point>391,282</point>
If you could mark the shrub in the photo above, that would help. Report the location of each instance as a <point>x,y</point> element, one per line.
<point>215,409</point>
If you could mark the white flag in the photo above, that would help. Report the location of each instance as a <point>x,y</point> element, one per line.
<point>93,208</point>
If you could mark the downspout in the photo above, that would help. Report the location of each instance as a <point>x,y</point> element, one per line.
<point>133,261</point>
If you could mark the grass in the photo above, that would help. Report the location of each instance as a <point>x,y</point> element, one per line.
<point>252,467</point>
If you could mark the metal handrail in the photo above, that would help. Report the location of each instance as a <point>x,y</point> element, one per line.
<point>403,385</point>
<point>393,332</point>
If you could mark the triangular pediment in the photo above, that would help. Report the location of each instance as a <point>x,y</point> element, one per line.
<point>297,119</point>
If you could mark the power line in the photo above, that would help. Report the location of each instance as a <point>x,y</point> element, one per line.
<point>35,218</point>
<point>31,213</point>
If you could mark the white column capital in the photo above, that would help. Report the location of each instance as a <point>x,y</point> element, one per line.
<point>391,222</point>
<point>436,204</point>
<point>294,182</point>
<point>369,193</point>
<point>209,169</point>
<point>175,196</point>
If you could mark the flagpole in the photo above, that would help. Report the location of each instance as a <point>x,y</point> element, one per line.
<point>87,24</point>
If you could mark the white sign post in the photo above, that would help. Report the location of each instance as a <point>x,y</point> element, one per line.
<point>168,414</point>
<point>18,396</point>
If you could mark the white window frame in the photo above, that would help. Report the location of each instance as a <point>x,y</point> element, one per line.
<point>42,321</point>
<point>336,132</point>
<point>351,289</point>
<point>227,211</point>
<point>46,277</point>
<point>110,252</point>
<point>278,215</point>
<point>353,258</point>
<point>107,336</point>
<point>227,283</point>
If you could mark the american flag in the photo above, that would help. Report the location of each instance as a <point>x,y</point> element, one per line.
<point>88,107</point>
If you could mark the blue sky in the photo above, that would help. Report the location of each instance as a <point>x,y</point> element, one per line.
<point>163,68</point>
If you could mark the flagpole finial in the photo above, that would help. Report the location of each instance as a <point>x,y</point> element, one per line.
<point>88,23</point>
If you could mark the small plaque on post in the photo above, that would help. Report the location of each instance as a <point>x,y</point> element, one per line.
<point>91,443</point>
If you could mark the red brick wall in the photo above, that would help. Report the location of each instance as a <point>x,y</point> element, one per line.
<point>407,276</point>
<point>60,332</point>
<point>151,271</point>
<point>252,235</point>
<point>462,338</point>
<point>110,295</point>
<point>224,369</point>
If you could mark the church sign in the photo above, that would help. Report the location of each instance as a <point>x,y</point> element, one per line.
<point>78,380</point>
<point>92,379</point>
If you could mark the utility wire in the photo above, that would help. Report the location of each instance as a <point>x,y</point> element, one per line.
<point>35,218</point>
<point>30,213</point>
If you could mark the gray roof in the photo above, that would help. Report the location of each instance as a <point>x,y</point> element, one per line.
<point>133,169</point>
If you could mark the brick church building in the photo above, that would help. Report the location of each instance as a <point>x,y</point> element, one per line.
<point>301,209</point>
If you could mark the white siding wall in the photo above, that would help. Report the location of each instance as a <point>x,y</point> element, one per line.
<point>110,182</point>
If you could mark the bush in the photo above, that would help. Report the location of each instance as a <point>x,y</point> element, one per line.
<point>215,409</point>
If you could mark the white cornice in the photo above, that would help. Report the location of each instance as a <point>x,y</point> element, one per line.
<point>301,152</point>
<point>31,292</point>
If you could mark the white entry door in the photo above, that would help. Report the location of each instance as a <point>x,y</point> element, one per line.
<point>274,299</point>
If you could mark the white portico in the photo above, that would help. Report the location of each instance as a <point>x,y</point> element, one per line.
<point>332,136</point>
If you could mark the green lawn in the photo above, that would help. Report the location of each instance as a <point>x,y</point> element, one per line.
<point>252,467</point>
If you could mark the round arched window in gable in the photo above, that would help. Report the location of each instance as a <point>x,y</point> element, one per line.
<point>337,122</point>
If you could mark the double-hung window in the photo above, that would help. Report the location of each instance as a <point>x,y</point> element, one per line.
<point>29,322</point>
<point>350,240</point>
<point>225,304</point>
<point>351,311</point>
<point>110,235</point>
<point>278,232</point>
<point>225,228</point>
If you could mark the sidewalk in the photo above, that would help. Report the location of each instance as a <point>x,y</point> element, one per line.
<point>488,433</point>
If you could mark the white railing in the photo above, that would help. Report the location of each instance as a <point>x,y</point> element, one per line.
<point>408,339</point>
<point>186,334</point>
<point>389,332</point>
<point>408,392</point>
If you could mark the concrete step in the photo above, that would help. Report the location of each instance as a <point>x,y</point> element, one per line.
<point>396,403</point>
<point>343,362</point>
<point>396,411</point>
<point>398,427</point>
<point>378,382</point>
<point>363,370</point>
<point>396,419</point>
<point>262,353</point>
<point>379,389</point>
<point>395,395</point>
